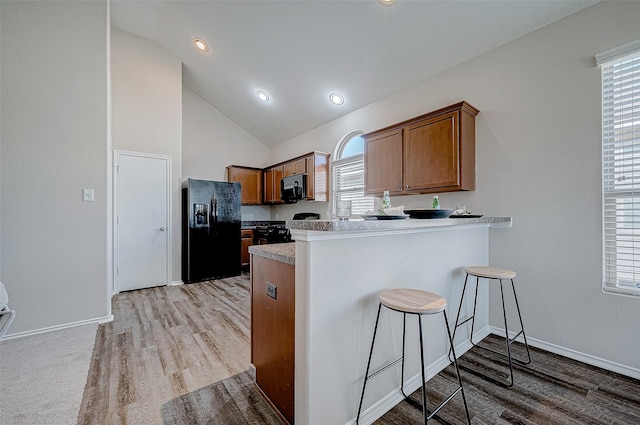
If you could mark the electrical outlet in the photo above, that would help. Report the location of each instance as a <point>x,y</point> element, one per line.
<point>272,290</point>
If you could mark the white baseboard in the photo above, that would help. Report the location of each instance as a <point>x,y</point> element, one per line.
<point>98,320</point>
<point>377,410</point>
<point>575,355</point>
<point>176,283</point>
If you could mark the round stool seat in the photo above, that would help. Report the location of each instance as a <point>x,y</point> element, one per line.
<point>412,301</point>
<point>490,272</point>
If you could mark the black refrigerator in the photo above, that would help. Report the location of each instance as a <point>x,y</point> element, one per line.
<point>210,230</point>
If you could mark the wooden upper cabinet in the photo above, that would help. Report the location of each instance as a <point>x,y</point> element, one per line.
<point>272,190</point>
<point>383,159</point>
<point>431,153</point>
<point>317,165</point>
<point>296,166</point>
<point>263,185</point>
<point>250,180</point>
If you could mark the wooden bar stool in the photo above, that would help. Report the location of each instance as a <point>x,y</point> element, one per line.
<point>419,303</point>
<point>493,273</point>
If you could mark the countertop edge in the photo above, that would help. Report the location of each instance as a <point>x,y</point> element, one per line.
<point>312,230</point>
<point>282,252</point>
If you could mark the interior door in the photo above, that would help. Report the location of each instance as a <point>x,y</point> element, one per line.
<point>142,220</point>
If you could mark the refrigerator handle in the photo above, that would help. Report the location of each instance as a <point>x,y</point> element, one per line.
<point>214,209</point>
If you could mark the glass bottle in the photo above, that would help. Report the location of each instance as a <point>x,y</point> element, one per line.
<point>386,201</point>
<point>436,203</point>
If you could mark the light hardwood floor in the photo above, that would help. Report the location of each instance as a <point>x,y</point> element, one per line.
<point>180,356</point>
<point>176,355</point>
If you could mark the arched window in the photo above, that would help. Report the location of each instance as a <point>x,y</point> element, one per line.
<point>348,174</point>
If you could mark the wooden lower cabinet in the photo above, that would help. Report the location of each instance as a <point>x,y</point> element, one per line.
<point>273,332</point>
<point>246,240</point>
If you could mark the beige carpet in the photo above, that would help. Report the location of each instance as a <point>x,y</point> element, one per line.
<point>42,377</point>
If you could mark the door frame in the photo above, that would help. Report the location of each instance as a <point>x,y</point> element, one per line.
<point>116,187</point>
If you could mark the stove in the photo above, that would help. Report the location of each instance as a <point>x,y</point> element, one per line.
<point>272,233</point>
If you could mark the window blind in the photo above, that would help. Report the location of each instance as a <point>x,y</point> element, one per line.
<point>621,173</point>
<point>348,183</point>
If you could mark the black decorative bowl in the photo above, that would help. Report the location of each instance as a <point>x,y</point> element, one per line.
<point>426,213</point>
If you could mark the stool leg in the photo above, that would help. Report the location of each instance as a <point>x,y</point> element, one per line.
<point>475,305</point>
<point>457,324</point>
<point>455,364</point>
<point>366,374</point>
<point>506,332</point>
<point>460,388</point>
<point>425,411</point>
<point>524,336</point>
<point>404,332</point>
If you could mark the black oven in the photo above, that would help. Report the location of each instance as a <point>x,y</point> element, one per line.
<point>272,233</point>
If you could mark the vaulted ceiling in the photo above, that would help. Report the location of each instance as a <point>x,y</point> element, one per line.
<point>299,52</point>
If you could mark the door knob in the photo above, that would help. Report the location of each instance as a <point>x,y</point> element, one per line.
<point>162,229</point>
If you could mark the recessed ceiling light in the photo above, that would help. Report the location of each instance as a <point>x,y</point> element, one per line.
<point>200,44</point>
<point>387,2</point>
<point>262,95</point>
<point>336,98</point>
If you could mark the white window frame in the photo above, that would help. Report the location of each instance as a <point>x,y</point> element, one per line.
<point>621,168</point>
<point>362,202</point>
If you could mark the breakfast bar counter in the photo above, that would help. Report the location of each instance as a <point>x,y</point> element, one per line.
<point>340,267</point>
<point>314,305</point>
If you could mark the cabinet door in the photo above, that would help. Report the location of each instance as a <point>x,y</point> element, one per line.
<point>272,178</point>
<point>297,166</point>
<point>250,180</point>
<point>318,177</point>
<point>247,241</point>
<point>310,166</point>
<point>273,331</point>
<point>383,162</point>
<point>431,153</point>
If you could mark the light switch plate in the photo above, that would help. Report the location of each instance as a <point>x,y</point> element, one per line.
<point>87,195</point>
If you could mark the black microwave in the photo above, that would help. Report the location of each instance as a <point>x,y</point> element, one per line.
<point>293,188</point>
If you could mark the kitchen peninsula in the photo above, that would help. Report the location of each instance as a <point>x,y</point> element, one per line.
<point>340,266</point>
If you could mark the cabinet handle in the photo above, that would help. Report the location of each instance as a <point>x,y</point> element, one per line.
<point>407,186</point>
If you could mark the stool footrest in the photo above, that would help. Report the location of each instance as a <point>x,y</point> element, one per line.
<point>501,354</point>
<point>382,369</point>
<point>435,411</point>
<point>464,321</point>
<point>516,336</point>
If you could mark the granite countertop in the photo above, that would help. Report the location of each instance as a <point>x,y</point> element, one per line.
<point>283,252</point>
<point>252,224</point>
<point>409,223</point>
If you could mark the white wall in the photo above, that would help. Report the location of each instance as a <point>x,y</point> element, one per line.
<point>538,160</point>
<point>53,139</point>
<point>211,142</point>
<point>147,112</point>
